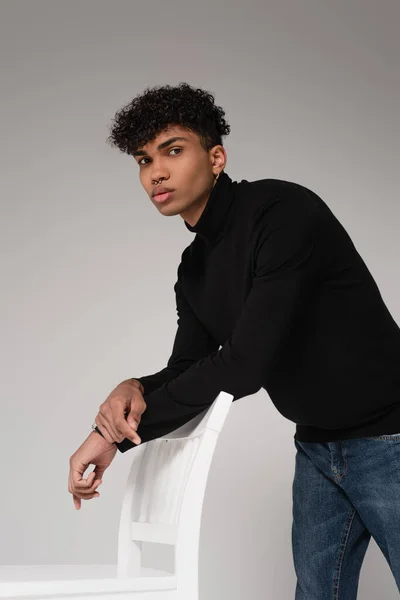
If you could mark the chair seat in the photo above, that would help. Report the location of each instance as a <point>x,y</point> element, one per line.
<point>50,580</point>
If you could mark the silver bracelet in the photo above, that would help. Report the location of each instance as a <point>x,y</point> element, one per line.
<point>96,429</point>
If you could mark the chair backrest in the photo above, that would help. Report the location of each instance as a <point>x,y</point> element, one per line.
<point>164,493</point>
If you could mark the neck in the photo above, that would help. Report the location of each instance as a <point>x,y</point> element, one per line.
<point>210,218</point>
<point>194,212</point>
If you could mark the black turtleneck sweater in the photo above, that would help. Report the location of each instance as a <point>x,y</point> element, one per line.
<point>272,293</point>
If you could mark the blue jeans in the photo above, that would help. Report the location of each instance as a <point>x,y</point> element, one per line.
<point>344,492</point>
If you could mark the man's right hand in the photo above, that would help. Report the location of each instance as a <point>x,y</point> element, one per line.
<point>119,415</point>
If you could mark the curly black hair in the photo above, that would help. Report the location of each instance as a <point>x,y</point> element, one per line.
<point>156,108</point>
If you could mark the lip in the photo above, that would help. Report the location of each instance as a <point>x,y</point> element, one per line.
<point>163,197</point>
<point>160,189</point>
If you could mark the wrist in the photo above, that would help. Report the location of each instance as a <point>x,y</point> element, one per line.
<point>137,384</point>
<point>97,430</point>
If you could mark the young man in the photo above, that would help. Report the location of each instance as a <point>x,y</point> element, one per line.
<point>271,293</point>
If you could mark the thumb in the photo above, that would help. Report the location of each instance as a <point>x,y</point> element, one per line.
<point>132,419</point>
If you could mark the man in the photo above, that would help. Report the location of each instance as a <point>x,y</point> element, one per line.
<point>272,294</point>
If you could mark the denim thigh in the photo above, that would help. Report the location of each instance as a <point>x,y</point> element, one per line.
<point>344,492</point>
<point>329,539</point>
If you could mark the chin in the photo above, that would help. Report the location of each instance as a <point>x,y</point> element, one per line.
<point>169,211</point>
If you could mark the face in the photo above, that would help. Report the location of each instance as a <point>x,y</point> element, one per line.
<point>181,165</point>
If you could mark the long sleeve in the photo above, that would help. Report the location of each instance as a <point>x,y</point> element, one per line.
<point>191,343</point>
<point>286,259</point>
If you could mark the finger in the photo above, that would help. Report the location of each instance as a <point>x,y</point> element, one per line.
<point>108,421</point>
<point>119,412</point>
<point>93,487</point>
<point>82,485</point>
<point>86,483</point>
<point>77,499</point>
<point>88,489</point>
<point>129,424</point>
<point>82,482</point>
<point>86,495</point>
<point>85,492</point>
<point>106,418</point>
<point>77,470</point>
<point>95,495</point>
<point>127,431</point>
<point>109,424</point>
<point>112,416</point>
<point>106,429</point>
<point>133,420</point>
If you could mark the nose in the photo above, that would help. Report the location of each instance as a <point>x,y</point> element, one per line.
<point>158,172</point>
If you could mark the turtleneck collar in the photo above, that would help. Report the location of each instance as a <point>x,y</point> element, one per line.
<point>210,225</point>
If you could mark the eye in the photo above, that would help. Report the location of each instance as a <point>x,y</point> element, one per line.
<point>146,158</point>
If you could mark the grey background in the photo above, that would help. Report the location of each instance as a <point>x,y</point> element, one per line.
<point>311,90</point>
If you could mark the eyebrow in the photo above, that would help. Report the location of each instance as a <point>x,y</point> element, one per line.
<point>162,145</point>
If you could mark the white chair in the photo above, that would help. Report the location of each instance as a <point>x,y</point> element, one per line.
<point>162,503</point>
